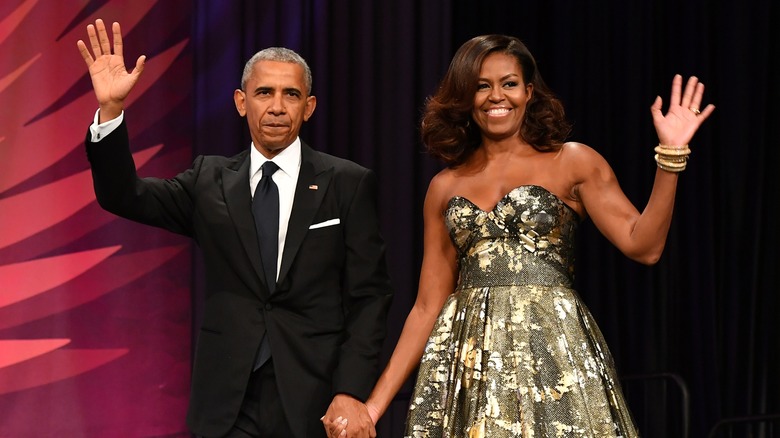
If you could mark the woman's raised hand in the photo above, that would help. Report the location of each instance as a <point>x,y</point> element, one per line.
<point>684,116</point>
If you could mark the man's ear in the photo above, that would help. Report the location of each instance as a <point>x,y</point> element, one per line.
<point>239,97</point>
<point>311,104</point>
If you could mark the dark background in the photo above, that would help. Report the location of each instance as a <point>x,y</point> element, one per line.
<point>707,312</point>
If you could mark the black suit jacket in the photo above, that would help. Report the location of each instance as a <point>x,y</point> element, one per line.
<point>327,319</point>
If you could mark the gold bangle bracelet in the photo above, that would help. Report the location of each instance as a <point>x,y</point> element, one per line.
<point>670,169</point>
<point>677,165</point>
<point>672,151</point>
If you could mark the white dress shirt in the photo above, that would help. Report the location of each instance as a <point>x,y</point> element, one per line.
<point>286,178</point>
<point>101,130</point>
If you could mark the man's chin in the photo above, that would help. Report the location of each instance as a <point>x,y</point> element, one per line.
<point>274,146</point>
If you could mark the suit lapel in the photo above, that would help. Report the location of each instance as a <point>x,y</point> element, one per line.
<point>313,181</point>
<point>238,199</point>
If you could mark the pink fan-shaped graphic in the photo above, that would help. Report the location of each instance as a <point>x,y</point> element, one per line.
<point>87,299</point>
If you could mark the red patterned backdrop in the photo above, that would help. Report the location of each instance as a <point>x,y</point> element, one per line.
<point>94,310</point>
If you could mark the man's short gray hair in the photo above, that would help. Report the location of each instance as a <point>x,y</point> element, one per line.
<point>280,54</point>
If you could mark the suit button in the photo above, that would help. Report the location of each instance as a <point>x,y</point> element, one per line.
<point>268,306</point>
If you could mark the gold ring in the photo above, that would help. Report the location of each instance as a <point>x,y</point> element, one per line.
<point>694,110</point>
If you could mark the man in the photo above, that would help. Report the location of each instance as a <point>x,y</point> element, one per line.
<point>319,305</point>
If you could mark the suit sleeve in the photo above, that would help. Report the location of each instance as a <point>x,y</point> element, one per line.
<point>367,291</point>
<point>164,203</point>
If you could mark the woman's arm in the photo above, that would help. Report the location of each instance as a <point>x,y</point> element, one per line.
<point>642,236</point>
<point>437,281</point>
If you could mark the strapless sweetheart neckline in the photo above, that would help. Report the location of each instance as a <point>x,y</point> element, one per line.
<point>507,195</point>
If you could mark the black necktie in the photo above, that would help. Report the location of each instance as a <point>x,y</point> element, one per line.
<point>265,208</point>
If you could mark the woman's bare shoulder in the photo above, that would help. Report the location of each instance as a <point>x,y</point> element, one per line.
<point>440,186</point>
<point>582,159</point>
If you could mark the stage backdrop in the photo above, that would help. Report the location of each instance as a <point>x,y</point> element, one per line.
<point>94,310</point>
<point>707,312</point>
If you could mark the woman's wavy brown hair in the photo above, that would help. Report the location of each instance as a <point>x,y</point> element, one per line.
<point>448,130</point>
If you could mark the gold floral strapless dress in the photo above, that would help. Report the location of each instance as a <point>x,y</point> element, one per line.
<point>515,352</point>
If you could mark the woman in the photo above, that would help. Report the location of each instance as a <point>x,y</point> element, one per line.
<point>513,352</point>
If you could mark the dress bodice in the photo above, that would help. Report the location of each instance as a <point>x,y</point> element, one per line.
<point>528,238</point>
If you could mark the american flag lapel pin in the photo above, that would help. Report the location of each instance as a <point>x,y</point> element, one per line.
<point>313,187</point>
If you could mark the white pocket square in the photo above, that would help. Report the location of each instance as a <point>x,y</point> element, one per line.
<point>327,223</point>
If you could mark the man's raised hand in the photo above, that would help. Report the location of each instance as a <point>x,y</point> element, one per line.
<point>110,79</point>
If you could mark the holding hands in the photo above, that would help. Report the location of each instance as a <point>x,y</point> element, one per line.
<point>110,79</point>
<point>346,413</point>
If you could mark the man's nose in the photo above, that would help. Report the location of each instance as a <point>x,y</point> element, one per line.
<point>277,105</point>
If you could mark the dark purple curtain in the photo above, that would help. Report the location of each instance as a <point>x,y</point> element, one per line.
<point>706,312</point>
